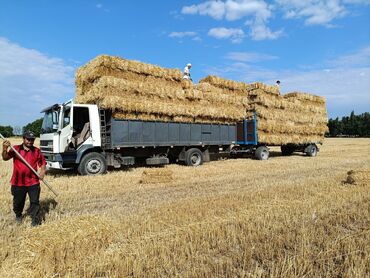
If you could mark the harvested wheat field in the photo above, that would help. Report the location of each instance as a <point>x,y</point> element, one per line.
<point>292,216</point>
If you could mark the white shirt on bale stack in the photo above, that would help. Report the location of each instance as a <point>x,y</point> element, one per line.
<point>187,72</point>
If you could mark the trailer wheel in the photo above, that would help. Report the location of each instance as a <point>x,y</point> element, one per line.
<point>262,153</point>
<point>193,157</point>
<point>311,150</point>
<point>286,150</point>
<point>92,164</point>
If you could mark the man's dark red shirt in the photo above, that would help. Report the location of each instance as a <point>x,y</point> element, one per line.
<point>22,175</point>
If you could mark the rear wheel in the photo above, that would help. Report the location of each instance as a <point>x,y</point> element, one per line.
<point>262,153</point>
<point>92,164</point>
<point>193,157</point>
<point>311,150</point>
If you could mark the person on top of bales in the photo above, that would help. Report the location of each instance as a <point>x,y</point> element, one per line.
<point>187,72</point>
<point>23,180</point>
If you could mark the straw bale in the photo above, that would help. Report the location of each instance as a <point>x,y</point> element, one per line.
<point>259,97</point>
<point>156,175</point>
<point>144,105</point>
<point>283,138</point>
<point>358,177</point>
<point>186,84</point>
<point>142,116</point>
<point>225,83</point>
<point>264,87</point>
<point>215,94</point>
<point>120,64</point>
<point>290,127</point>
<point>305,97</point>
<point>284,115</point>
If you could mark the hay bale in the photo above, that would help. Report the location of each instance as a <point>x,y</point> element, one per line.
<point>264,87</point>
<point>225,83</point>
<point>156,175</point>
<point>358,177</point>
<point>305,97</point>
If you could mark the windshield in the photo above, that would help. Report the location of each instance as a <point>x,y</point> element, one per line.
<point>50,122</point>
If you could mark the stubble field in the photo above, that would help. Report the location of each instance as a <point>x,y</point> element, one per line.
<point>285,217</point>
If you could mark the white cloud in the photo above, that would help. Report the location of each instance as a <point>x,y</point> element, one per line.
<point>215,9</point>
<point>182,34</point>
<point>236,35</point>
<point>259,31</point>
<point>249,57</point>
<point>29,81</point>
<point>360,58</point>
<point>258,13</point>
<point>187,34</point>
<point>317,12</point>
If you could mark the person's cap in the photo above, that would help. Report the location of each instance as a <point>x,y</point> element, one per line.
<point>188,65</point>
<point>29,135</point>
<point>278,82</point>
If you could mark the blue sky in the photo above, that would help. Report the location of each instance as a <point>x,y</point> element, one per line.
<point>315,46</point>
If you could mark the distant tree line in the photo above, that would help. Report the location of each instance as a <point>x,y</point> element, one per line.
<point>35,127</point>
<point>352,125</point>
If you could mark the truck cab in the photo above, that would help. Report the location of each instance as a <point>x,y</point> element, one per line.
<point>68,131</point>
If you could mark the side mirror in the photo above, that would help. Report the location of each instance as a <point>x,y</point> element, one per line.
<point>55,126</point>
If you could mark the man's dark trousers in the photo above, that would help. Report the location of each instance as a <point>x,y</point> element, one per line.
<point>19,198</point>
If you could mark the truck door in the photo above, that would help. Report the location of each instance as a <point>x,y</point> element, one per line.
<point>65,132</point>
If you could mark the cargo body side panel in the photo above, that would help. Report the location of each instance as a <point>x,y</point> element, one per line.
<point>130,133</point>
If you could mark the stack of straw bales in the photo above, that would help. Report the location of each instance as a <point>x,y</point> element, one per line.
<point>291,118</point>
<point>297,118</point>
<point>135,90</point>
<point>138,91</point>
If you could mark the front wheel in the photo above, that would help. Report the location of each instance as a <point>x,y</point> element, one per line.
<point>92,164</point>
<point>262,153</point>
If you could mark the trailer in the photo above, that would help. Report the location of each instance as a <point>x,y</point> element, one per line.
<point>89,139</point>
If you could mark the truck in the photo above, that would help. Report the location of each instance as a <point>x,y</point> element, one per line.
<point>89,139</point>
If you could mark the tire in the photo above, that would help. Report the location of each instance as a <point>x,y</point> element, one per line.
<point>193,157</point>
<point>262,153</point>
<point>311,150</point>
<point>286,150</point>
<point>92,164</point>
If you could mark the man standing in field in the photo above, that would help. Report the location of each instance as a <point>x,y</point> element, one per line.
<point>23,180</point>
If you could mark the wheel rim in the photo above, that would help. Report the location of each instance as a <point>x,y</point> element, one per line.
<point>264,155</point>
<point>93,166</point>
<point>195,159</point>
